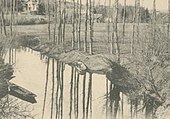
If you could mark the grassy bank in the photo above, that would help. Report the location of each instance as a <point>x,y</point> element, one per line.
<point>101,41</point>
<point>26,19</point>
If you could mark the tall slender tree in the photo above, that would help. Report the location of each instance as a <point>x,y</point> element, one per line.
<point>133,31</point>
<point>86,25</point>
<point>14,11</point>
<point>124,20</point>
<point>11,17</point>
<point>49,20</point>
<point>117,47</point>
<point>108,25</point>
<point>91,20</point>
<point>73,23</point>
<point>77,22</point>
<point>59,39</point>
<point>154,19</point>
<point>64,22</point>
<point>124,31</point>
<point>55,19</point>
<point>79,38</point>
<point>3,19</point>
<point>138,18</point>
<point>168,18</point>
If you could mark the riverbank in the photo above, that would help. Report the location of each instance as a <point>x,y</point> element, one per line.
<point>130,84</point>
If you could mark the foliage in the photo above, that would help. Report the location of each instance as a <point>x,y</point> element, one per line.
<point>144,14</point>
<point>41,9</point>
<point>151,65</point>
<point>107,12</point>
<point>20,6</point>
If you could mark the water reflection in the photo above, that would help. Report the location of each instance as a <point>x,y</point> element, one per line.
<point>68,95</point>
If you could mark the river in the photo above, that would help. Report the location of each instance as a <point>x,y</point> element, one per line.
<point>30,72</point>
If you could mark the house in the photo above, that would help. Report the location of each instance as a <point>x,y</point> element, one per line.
<point>30,5</point>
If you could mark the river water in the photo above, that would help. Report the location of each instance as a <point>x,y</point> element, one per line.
<point>30,72</point>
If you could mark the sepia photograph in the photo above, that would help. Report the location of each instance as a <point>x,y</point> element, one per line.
<point>84,59</point>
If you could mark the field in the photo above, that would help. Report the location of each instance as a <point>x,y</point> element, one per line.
<point>101,42</point>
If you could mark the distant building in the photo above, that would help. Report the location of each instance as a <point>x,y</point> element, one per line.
<point>30,5</point>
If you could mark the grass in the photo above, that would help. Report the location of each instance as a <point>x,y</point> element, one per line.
<point>26,19</point>
<point>101,43</point>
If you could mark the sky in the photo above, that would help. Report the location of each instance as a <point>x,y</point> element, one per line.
<point>160,4</point>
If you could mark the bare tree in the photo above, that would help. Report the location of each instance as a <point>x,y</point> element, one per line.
<point>14,6</point>
<point>168,18</point>
<point>77,23</point>
<point>79,39</point>
<point>154,18</point>
<point>60,24</point>
<point>133,32</point>
<point>108,25</point>
<point>49,20</point>
<point>3,19</point>
<point>64,21</point>
<point>124,20</point>
<point>55,18</point>
<point>86,26</point>
<point>73,24</point>
<point>115,31</point>
<point>138,17</point>
<point>11,17</point>
<point>91,20</point>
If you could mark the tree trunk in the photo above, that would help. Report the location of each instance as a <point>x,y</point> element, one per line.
<point>124,21</point>
<point>86,23</point>
<point>73,23</point>
<point>108,28</point>
<point>154,20</point>
<point>79,39</point>
<point>77,22</point>
<point>91,26</point>
<point>133,32</point>
<point>59,26</point>
<point>14,6</point>
<point>64,22</point>
<point>138,19</point>
<point>3,23</point>
<point>168,18</point>
<point>17,11</point>
<point>49,20</point>
<point>116,32</point>
<point>55,19</point>
<point>11,17</point>
<point>1,17</point>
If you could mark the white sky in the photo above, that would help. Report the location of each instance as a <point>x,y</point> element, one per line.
<point>160,4</point>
